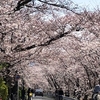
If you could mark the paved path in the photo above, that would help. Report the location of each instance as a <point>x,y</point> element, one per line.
<point>41,98</point>
<point>46,98</point>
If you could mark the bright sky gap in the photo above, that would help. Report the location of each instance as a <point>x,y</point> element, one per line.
<point>88,4</point>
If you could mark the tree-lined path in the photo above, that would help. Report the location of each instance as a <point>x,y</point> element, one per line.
<point>48,44</point>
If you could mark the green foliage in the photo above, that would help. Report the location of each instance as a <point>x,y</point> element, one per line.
<point>3,64</point>
<point>1,67</point>
<point>3,86</point>
<point>3,90</point>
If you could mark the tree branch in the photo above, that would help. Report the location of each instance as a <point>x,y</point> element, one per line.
<point>18,48</point>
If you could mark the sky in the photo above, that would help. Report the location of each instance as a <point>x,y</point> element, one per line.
<point>89,4</point>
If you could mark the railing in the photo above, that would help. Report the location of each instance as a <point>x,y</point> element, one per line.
<point>52,95</point>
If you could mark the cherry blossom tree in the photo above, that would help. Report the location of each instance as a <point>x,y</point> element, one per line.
<point>67,48</point>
